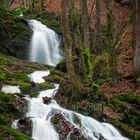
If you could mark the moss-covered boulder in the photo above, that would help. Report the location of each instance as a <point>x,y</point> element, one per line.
<point>7,132</point>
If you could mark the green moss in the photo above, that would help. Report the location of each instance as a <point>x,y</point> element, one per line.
<point>20,95</point>
<point>130,98</point>
<point>55,120</point>
<point>119,105</point>
<point>56,72</point>
<point>7,13</point>
<point>135,121</point>
<point>5,97</point>
<point>3,120</point>
<point>33,94</point>
<point>130,131</point>
<point>9,131</point>
<point>45,85</point>
<point>77,121</point>
<point>2,76</point>
<point>18,76</point>
<point>3,60</point>
<point>25,88</point>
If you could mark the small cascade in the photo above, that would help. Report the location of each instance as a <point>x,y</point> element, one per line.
<point>44,47</point>
<point>43,128</point>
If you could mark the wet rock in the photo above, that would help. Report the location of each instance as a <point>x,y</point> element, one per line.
<point>46,99</point>
<point>67,129</point>
<point>101,137</point>
<point>20,104</point>
<point>25,126</point>
<point>19,49</point>
<point>34,87</point>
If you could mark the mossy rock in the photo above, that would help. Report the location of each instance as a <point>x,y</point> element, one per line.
<point>24,86</point>
<point>18,76</point>
<point>7,104</point>
<point>33,94</point>
<point>5,97</point>
<point>55,72</point>
<point>7,131</point>
<point>44,86</point>
<point>20,95</point>
<point>55,120</point>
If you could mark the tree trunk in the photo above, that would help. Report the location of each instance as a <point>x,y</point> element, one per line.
<point>85,35</point>
<point>78,40</point>
<point>98,43</point>
<point>110,39</point>
<point>136,37</point>
<point>68,48</point>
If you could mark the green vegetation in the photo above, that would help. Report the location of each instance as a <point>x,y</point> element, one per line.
<point>119,105</point>
<point>4,120</point>
<point>7,131</point>
<point>7,13</point>
<point>33,94</point>
<point>55,120</point>
<point>130,98</point>
<point>5,97</point>
<point>46,85</point>
<point>2,76</point>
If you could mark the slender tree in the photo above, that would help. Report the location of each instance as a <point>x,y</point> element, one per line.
<point>68,48</point>
<point>136,36</point>
<point>77,40</point>
<point>110,39</point>
<point>85,35</point>
<point>98,44</point>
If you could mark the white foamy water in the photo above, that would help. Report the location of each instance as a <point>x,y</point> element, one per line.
<point>37,76</point>
<point>43,129</point>
<point>10,89</point>
<point>44,46</point>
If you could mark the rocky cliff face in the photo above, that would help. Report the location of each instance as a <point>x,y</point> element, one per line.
<point>14,39</point>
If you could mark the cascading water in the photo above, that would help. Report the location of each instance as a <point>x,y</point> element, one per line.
<point>40,114</point>
<point>44,47</point>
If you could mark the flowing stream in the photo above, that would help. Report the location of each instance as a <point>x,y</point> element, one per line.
<point>47,51</point>
<point>43,128</point>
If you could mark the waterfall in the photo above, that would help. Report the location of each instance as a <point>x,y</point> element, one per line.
<point>45,49</point>
<point>44,46</point>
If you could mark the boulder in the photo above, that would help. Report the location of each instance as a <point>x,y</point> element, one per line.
<point>67,129</point>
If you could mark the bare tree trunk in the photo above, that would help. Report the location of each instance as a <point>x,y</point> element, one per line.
<point>136,37</point>
<point>110,39</point>
<point>98,43</point>
<point>85,25</point>
<point>68,48</point>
